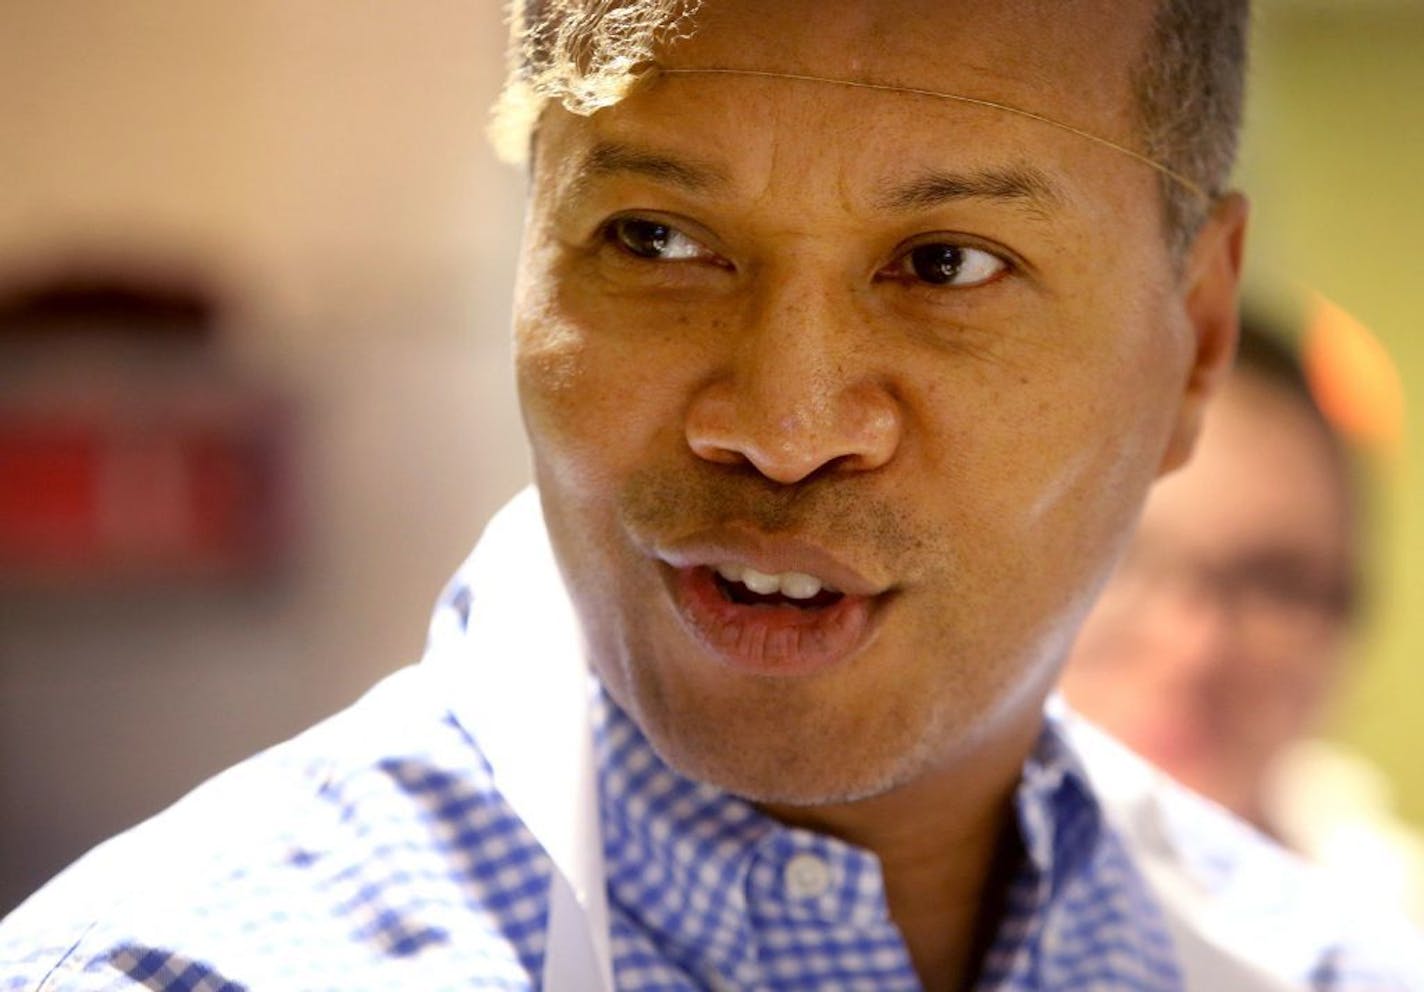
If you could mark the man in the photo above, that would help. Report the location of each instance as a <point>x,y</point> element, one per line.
<point>1218,644</point>
<point>849,339</point>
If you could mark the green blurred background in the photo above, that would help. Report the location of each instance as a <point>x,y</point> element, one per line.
<point>1333,162</point>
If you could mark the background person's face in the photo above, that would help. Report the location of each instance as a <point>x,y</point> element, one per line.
<point>742,341</point>
<point>1215,642</point>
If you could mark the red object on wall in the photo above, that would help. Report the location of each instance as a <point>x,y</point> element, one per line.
<point>178,498</point>
<point>130,450</point>
<point>48,492</point>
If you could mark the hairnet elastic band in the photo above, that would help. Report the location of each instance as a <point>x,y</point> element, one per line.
<point>1165,170</point>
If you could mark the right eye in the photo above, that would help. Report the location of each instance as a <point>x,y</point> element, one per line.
<point>653,239</point>
<point>948,264</point>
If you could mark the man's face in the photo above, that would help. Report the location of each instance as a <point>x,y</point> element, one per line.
<point>840,400</point>
<point>1217,640</point>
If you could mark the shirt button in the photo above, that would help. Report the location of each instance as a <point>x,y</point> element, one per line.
<point>721,983</point>
<point>807,876</point>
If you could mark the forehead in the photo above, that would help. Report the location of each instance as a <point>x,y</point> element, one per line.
<point>1066,59</point>
<point>1069,61</point>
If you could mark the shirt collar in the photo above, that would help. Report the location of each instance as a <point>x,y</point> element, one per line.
<point>1060,821</point>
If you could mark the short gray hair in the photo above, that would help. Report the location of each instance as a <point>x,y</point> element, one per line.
<point>1188,85</point>
<point>584,54</point>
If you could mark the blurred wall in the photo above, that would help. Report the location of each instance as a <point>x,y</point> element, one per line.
<point>323,165</point>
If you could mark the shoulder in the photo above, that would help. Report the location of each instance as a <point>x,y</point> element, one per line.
<point>364,840</point>
<point>1237,903</point>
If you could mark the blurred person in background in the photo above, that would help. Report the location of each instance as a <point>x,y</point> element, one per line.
<point>1223,635</point>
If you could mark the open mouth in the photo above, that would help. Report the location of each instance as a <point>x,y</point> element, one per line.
<point>772,606</point>
<point>786,623</point>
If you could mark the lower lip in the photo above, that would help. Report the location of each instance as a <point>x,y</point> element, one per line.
<point>770,640</point>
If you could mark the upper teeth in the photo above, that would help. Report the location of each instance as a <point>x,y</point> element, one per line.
<point>792,585</point>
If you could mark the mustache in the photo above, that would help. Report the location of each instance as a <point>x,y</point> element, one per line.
<point>841,511</point>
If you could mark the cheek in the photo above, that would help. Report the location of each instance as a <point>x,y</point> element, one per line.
<point>553,380</point>
<point>1061,475</point>
<point>1059,472</point>
<point>554,364</point>
<point>600,402</point>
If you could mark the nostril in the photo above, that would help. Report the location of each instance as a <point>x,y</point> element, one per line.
<point>712,451</point>
<point>789,434</point>
<point>786,464</point>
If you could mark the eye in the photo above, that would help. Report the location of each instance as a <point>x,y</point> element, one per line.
<point>946,264</point>
<point>652,239</point>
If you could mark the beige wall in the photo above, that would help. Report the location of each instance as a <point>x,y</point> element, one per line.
<point>324,161</point>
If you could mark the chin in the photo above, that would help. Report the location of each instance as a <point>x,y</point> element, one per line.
<point>813,741</point>
<point>782,757</point>
<point>774,783</point>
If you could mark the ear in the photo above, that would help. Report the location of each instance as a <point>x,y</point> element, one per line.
<point>1210,280</point>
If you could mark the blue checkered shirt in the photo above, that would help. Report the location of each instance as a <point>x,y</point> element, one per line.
<point>708,893</point>
<point>374,852</point>
<point>377,851</point>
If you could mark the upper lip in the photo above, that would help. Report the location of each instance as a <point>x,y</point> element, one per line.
<point>772,554</point>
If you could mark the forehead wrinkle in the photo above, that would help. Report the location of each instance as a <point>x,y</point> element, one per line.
<point>611,159</point>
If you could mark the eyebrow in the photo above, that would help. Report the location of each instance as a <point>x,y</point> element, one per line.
<point>609,159</point>
<point>1014,184</point>
<point>1020,184</point>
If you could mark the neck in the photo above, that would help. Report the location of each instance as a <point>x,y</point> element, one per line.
<point>948,846</point>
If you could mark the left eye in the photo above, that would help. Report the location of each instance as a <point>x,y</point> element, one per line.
<point>652,239</point>
<point>941,264</point>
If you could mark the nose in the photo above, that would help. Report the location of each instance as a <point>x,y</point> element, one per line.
<point>798,391</point>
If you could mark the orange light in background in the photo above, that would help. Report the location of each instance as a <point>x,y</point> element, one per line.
<point>1354,379</point>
